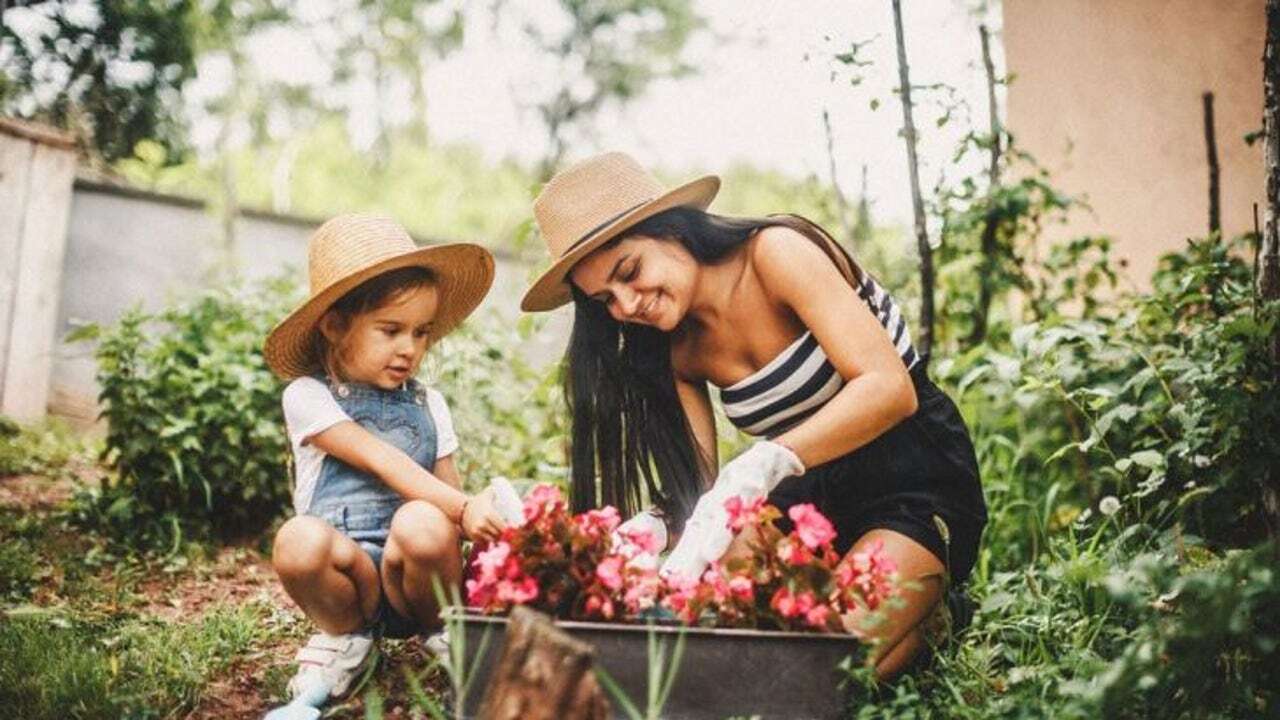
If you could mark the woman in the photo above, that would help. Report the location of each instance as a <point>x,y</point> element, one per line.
<point>809,354</point>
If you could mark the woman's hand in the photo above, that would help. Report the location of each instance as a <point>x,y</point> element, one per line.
<point>751,475</point>
<point>480,517</point>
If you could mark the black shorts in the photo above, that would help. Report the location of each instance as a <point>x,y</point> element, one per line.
<point>920,468</point>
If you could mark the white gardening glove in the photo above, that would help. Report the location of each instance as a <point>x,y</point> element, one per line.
<point>644,522</point>
<point>507,501</point>
<point>706,536</point>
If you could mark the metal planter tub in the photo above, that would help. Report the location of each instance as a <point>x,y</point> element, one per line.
<point>722,673</point>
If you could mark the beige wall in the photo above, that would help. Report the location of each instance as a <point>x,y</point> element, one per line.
<point>1107,96</point>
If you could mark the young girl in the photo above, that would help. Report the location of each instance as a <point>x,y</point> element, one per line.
<point>380,509</point>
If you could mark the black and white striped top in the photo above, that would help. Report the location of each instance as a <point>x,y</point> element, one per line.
<point>800,380</point>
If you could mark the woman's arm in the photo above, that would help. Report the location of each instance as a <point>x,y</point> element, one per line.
<point>878,392</point>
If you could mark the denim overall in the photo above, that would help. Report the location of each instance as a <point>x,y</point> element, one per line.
<point>358,504</point>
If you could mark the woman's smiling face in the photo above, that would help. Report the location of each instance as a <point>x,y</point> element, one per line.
<point>641,280</point>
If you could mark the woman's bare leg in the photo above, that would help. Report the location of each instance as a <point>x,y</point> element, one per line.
<point>326,573</point>
<point>899,635</point>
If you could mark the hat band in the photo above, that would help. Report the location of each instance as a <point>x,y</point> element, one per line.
<point>587,235</point>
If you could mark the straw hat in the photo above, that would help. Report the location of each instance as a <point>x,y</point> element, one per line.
<point>350,249</point>
<point>586,205</point>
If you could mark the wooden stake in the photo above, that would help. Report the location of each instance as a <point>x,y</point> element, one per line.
<point>1211,148</point>
<point>543,674</point>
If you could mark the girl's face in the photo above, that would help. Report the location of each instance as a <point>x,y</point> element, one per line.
<point>641,280</point>
<point>384,347</point>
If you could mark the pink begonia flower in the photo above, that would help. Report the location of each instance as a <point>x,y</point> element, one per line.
<point>714,579</point>
<point>519,592</point>
<point>641,540</point>
<point>610,572</point>
<point>743,514</point>
<point>598,605</point>
<point>490,560</point>
<point>642,592</point>
<point>741,587</point>
<point>792,552</point>
<point>785,603</point>
<point>479,593</point>
<point>817,616</point>
<point>598,523</point>
<point>542,499</point>
<point>814,529</point>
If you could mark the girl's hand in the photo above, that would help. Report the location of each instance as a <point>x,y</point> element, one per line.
<point>481,519</point>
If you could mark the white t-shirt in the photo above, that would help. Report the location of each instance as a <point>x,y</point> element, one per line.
<point>310,409</point>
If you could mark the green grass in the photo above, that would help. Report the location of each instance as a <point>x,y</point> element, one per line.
<point>55,667</point>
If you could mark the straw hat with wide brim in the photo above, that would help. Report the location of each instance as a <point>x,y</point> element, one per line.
<point>588,204</point>
<point>350,249</point>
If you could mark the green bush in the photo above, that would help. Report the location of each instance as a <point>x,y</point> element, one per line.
<point>195,434</point>
<point>509,416</point>
<point>1205,643</point>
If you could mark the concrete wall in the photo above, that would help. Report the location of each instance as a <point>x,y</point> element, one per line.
<point>126,247</point>
<point>36,167</point>
<point>1107,95</point>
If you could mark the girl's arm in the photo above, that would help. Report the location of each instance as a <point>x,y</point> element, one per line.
<point>878,392</point>
<point>365,451</point>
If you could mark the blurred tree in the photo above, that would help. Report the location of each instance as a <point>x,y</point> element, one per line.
<point>386,43</point>
<point>602,50</point>
<point>108,71</point>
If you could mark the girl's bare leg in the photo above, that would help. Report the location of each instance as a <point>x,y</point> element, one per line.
<point>424,544</point>
<point>327,574</point>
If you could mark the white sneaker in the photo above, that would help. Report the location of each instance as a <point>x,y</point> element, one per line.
<point>438,645</point>
<point>330,661</point>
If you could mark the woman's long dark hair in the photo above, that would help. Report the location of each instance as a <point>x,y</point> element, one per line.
<point>627,422</point>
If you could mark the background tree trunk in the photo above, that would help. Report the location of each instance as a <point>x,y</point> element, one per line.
<point>543,674</point>
<point>992,221</point>
<point>1269,272</point>
<point>842,205</point>
<point>925,343</point>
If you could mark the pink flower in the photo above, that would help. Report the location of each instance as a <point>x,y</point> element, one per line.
<point>642,591</point>
<point>479,593</point>
<point>817,616</point>
<point>642,540</point>
<point>542,499</point>
<point>598,523</point>
<point>609,571</point>
<point>490,560</point>
<point>741,587</point>
<point>785,603</point>
<point>517,592</point>
<point>597,605</point>
<point>743,514</point>
<point>812,526</point>
<point>792,552</point>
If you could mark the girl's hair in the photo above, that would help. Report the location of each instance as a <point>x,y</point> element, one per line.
<point>376,292</point>
<point>627,421</point>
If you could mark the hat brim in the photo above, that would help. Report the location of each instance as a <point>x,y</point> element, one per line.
<point>463,274</point>
<point>551,290</point>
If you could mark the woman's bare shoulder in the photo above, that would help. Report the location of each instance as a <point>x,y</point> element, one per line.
<point>785,262</point>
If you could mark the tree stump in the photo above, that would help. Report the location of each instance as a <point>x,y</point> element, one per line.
<point>543,674</point>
